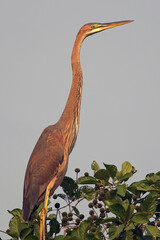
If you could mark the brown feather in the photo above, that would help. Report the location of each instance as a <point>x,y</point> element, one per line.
<point>46,160</point>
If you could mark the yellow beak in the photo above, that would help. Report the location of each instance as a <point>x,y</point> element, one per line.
<point>113,24</point>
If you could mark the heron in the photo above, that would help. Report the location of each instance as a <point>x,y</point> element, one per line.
<point>48,163</point>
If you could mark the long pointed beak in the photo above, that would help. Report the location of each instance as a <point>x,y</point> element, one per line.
<point>113,24</point>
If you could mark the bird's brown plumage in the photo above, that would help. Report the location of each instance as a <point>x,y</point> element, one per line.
<point>48,163</point>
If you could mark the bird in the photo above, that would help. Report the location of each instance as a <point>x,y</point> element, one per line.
<point>48,162</point>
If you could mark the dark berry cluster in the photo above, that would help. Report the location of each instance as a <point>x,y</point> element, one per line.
<point>99,209</point>
<point>68,218</point>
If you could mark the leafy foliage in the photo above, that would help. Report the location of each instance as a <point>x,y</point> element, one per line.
<point>116,210</point>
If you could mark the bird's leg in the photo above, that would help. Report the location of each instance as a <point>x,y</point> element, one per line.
<point>41,224</point>
<point>43,215</point>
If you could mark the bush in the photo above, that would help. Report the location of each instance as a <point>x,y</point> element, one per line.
<point>114,210</point>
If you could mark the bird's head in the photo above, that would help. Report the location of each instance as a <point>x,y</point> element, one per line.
<point>91,28</point>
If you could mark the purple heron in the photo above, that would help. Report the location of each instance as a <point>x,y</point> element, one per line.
<point>48,163</point>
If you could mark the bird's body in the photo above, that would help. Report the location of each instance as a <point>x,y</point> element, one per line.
<point>49,160</point>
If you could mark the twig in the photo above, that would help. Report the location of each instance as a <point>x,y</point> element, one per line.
<point>3,232</point>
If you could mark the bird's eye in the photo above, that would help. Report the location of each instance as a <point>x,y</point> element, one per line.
<point>95,26</point>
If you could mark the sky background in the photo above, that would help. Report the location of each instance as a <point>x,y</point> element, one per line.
<point>120,110</point>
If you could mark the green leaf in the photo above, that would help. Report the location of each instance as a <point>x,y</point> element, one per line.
<point>126,172</point>
<point>112,194</point>
<point>95,166</point>
<point>36,229</point>
<point>140,218</point>
<point>112,169</point>
<point>80,233</point>
<point>102,174</point>
<point>31,237</point>
<point>153,231</point>
<point>125,177</point>
<point>60,237</point>
<point>106,220</point>
<point>121,190</point>
<point>75,210</point>
<point>157,184</point>
<point>149,205</point>
<point>133,188</point>
<point>114,232</point>
<point>87,192</point>
<point>144,185</point>
<point>87,180</point>
<point>51,216</point>
<point>153,177</point>
<point>155,195</point>
<point>129,235</point>
<point>15,227</point>
<point>95,236</point>
<point>130,227</point>
<point>83,233</point>
<point>72,238</point>
<point>118,210</point>
<point>54,226</point>
<point>127,168</point>
<point>125,204</point>
<point>130,211</point>
<point>63,196</point>
<point>112,198</point>
<point>69,186</point>
<point>16,212</point>
<point>25,232</point>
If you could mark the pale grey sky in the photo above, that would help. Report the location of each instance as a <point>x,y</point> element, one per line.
<point>121,93</point>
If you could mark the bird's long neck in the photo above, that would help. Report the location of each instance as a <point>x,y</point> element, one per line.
<point>69,121</point>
